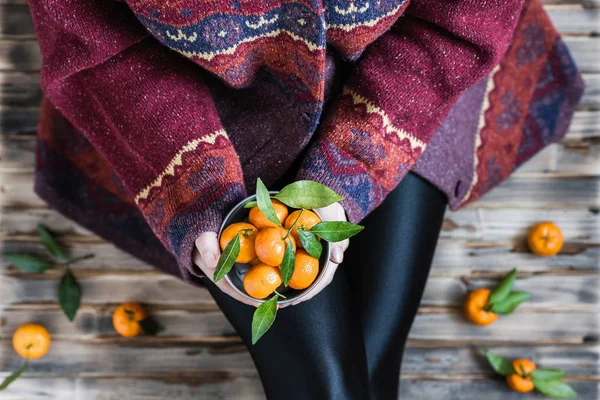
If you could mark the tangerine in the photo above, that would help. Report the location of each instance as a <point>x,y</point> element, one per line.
<point>270,246</point>
<point>307,220</point>
<point>305,271</point>
<point>261,280</point>
<point>247,237</point>
<point>31,341</point>
<point>521,381</point>
<point>545,239</point>
<point>519,384</point>
<point>474,307</point>
<point>258,219</point>
<point>127,317</point>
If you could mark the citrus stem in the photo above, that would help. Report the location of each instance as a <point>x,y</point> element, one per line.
<point>523,373</point>
<point>488,307</point>
<point>293,225</point>
<point>76,259</point>
<point>279,294</point>
<point>245,232</point>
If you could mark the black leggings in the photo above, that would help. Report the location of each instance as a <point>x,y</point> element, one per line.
<point>347,342</point>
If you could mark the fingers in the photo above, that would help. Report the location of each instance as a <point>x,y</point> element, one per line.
<point>205,256</point>
<point>208,248</point>
<point>337,251</point>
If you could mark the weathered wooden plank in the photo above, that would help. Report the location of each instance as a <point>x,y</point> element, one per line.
<point>585,52</point>
<point>18,120</point>
<point>548,4</point>
<point>477,390</point>
<point>15,21</point>
<point>575,20</point>
<point>454,258</point>
<point>585,124</point>
<point>107,258</point>
<point>559,324</point>
<point>20,55</point>
<point>153,289</point>
<point>20,89</point>
<point>221,385</point>
<point>125,358</point>
<point>568,291</point>
<point>549,292</point>
<point>581,157</point>
<point>591,95</point>
<point>512,225</point>
<point>524,192</point>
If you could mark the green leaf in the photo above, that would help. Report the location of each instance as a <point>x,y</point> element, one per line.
<point>27,263</point>
<point>501,291</point>
<point>336,231</point>
<point>263,318</point>
<point>69,294</point>
<point>51,244</point>
<point>500,364</point>
<point>307,194</point>
<point>288,263</point>
<point>150,326</point>
<point>228,257</point>
<point>250,204</point>
<point>510,303</point>
<point>555,388</point>
<point>311,244</point>
<point>263,200</point>
<point>547,374</point>
<point>10,379</point>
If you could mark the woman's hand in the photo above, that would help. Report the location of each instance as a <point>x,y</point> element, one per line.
<point>205,256</point>
<point>333,212</point>
<point>207,253</point>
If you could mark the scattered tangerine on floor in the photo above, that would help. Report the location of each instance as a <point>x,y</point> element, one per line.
<point>127,317</point>
<point>305,271</point>
<point>31,341</point>
<point>270,246</point>
<point>262,280</point>
<point>474,307</point>
<point>258,219</point>
<point>521,381</point>
<point>307,220</point>
<point>545,239</point>
<point>248,234</point>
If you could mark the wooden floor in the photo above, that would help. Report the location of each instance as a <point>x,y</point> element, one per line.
<point>199,355</point>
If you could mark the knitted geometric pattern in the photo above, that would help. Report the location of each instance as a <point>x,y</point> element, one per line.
<point>164,112</point>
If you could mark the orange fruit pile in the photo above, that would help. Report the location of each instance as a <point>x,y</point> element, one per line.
<point>263,244</point>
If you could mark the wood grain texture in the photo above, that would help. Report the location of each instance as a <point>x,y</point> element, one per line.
<point>199,355</point>
<point>223,385</point>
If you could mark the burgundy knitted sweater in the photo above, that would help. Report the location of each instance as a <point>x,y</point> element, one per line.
<point>160,115</point>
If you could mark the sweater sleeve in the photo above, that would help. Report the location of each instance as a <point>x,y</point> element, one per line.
<point>399,92</point>
<point>147,111</point>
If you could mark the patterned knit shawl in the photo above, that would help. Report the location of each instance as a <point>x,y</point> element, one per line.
<point>142,143</point>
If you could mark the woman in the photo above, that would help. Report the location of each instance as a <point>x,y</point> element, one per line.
<point>425,103</point>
